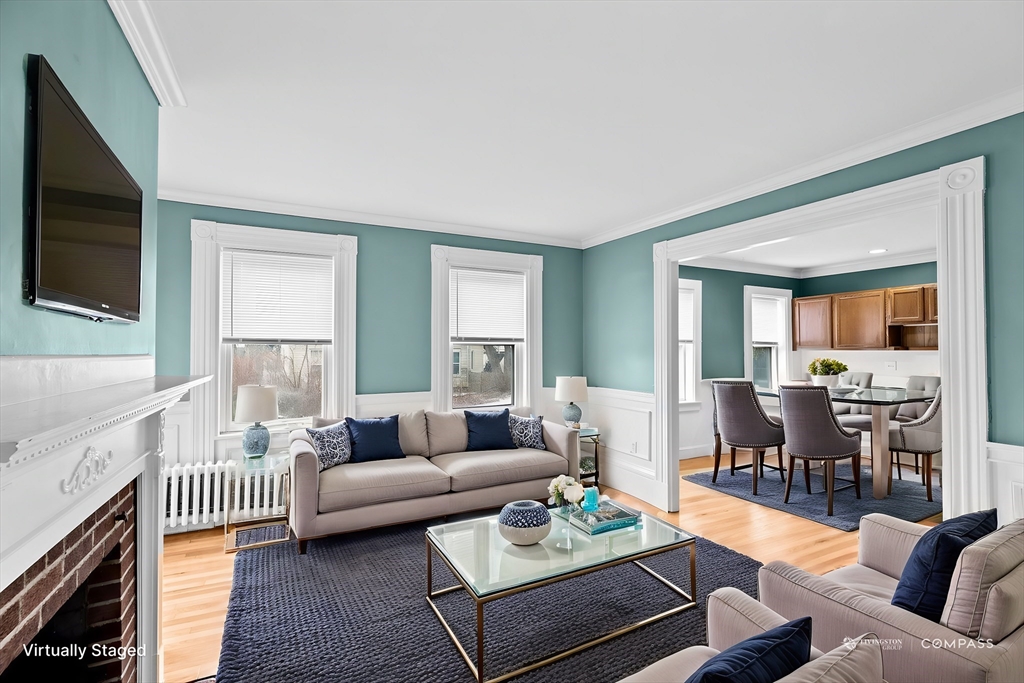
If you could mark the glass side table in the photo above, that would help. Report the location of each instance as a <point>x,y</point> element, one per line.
<point>256,500</point>
<point>589,463</point>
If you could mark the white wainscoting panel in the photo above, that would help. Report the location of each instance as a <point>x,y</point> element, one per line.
<point>696,431</point>
<point>178,434</point>
<point>1006,480</point>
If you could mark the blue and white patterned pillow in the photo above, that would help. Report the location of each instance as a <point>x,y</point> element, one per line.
<point>333,445</point>
<point>527,432</point>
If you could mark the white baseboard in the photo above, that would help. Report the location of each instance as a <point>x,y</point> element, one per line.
<point>686,453</point>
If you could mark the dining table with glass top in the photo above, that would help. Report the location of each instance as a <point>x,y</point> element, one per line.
<point>881,399</point>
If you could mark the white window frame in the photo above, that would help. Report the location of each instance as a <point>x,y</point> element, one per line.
<point>529,360</point>
<point>785,354</point>
<point>695,286</point>
<point>209,356</point>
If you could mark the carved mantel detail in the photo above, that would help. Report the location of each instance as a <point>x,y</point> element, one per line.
<point>92,465</point>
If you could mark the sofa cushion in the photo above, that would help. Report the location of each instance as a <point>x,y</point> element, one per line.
<point>676,667</point>
<point>412,433</point>
<point>332,444</point>
<point>447,432</point>
<point>374,439</point>
<point>926,577</point>
<point>855,661</point>
<point>356,484</point>
<point>865,580</point>
<point>488,431</point>
<point>980,565</point>
<point>480,469</point>
<point>1004,608</point>
<point>763,658</point>
<point>527,432</point>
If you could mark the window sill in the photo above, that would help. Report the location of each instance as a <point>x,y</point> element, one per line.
<point>280,428</point>
<point>689,406</point>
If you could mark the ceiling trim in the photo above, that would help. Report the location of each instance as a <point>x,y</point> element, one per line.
<point>964,118</point>
<point>320,212</point>
<point>139,27</point>
<point>873,263</point>
<point>718,263</point>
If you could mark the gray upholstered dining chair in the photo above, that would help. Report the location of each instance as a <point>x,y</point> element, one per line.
<point>922,437</point>
<point>914,411</point>
<point>741,422</point>
<point>814,433</point>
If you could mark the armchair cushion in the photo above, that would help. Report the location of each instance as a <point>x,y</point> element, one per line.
<point>981,565</point>
<point>865,580</point>
<point>1004,608</point>
<point>762,658</point>
<point>856,661</point>
<point>924,586</point>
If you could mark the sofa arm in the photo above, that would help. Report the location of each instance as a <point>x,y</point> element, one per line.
<point>734,616</point>
<point>886,543</point>
<point>565,442</point>
<point>913,648</point>
<point>305,488</point>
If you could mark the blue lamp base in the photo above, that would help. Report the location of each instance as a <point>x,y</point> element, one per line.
<point>572,413</point>
<point>255,441</point>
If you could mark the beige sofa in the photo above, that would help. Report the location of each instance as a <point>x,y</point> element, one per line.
<point>436,478</point>
<point>734,616</point>
<point>980,636</point>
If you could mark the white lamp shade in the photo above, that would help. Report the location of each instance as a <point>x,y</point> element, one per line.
<point>571,389</point>
<point>256,403</point>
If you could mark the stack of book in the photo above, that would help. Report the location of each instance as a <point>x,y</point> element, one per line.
<point>608,516</point>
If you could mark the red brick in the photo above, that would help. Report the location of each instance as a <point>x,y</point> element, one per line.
<point>55,600</point>
<point>104,592</point>
<point>108,632</point>
<point>8,594</point>
<point>10,617</point>
<point>106,571</point>
<point>12,647</point>
<point>76,554</point>
<point>97,614</point>
<point>55,553</point>
<point>35,570</point>
<point>40,589</point>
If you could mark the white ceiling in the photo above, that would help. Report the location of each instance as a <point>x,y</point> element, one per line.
<point>560,122</point>
<point>907,237</point>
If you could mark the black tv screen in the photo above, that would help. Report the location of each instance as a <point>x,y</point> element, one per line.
<point>85,215</point>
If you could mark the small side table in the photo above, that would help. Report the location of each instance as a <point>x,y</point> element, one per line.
<point>256,496</point>
<point>589,465</point>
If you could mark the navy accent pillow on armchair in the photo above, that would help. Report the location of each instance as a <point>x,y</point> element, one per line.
<point>489,431</point>
<point>374,439</point>
<point>924,586</point>
<point>763,658</point>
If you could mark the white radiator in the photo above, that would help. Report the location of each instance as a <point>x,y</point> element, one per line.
<point>198,495</point>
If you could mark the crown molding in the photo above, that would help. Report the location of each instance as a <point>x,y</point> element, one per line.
<point>719,263</point>
<point>964,118</point>
<point>139,27</point>
<point>320,212</point>
<point>858,266</point>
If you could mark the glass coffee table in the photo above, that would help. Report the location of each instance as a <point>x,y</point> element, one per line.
<point>489,568</point>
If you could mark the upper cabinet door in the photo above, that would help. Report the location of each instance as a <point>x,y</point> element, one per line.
<point>812,322</point>
<point>906,305</point>
<point>859,320</point>
<point>931,303</point>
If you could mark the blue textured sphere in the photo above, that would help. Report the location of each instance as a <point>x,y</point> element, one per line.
<point>524,522</point>
<point>572,413</point>
<point>255,441</point>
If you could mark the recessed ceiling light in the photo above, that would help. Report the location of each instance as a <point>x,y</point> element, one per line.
<point>878,251</point>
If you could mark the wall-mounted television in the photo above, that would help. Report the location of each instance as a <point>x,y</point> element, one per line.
<point>84,239</point>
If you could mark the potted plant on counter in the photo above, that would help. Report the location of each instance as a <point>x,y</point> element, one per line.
<point>825,371</point>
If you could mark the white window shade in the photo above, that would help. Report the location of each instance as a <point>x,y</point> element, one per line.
<point>685,315</point>
<point>766,320</point>
<point>275,297</point>
<point>486,306</point>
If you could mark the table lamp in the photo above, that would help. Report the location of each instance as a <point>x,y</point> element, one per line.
<point>256,404</point>
<point>573,390</point>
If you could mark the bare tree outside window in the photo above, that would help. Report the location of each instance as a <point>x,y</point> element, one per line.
<point>482,375</point>
<point>297,370</point>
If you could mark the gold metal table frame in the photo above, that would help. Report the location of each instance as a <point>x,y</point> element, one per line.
<point>478,667</point>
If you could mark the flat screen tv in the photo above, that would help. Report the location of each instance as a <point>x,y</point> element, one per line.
<point>84,253</point>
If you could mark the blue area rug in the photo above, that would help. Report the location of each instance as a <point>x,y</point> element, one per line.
<point>353,610</point>
<point>908,500</point>
<point>260,534</point>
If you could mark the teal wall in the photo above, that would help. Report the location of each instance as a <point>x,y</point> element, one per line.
<point>722,315</point>
<point>916,274</point>
<point>619,275</point>
<point>85,46</point>
<point>392,297</point>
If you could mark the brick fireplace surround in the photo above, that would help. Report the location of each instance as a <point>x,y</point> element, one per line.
<point>100,552</point>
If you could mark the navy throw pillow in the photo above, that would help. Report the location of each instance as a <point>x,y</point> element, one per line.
<point>374,439</point>
<point>489,431</point>
<point>925,582</point>
<point>762,658</point>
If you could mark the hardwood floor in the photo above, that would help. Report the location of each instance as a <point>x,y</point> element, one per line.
<point>197,571</point>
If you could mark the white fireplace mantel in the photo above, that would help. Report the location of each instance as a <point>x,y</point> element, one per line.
<point>64,455</point>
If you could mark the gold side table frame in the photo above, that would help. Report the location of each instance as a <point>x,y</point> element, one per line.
<point>478,667</point>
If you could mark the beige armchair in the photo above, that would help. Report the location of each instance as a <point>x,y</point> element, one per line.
<point>734,616</point>
<point>980,637</point>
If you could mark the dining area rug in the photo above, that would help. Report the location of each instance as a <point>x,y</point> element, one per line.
<point>908,500</point>
<point>353,609</point>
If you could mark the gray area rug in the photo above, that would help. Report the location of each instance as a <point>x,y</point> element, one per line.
<point>908,500</point>
<point>353,610</point>
<point>260,534</point>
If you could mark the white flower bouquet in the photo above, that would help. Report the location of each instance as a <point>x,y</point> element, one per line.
<point>565,490</point>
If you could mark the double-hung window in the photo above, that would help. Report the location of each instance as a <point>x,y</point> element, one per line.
<point>689,339</point>
<point>769,339</point>
<point>277,328</point>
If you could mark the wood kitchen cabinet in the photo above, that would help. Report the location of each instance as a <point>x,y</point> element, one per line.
<point>931,303</point>
<point>812,322</point>
<point>906,305</point>
<point>858,320</point>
